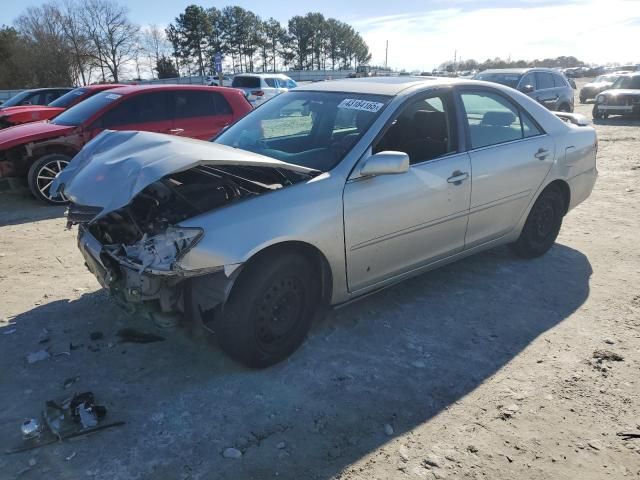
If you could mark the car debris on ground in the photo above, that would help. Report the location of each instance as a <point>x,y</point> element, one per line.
<point>67,418</point>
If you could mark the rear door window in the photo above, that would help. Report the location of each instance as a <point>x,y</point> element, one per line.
<point>491,119</point>
<point>544,80</point>
<point>141,108</point>
<point>194,103</point>
<point>272,82</point>
<point>559,81</point>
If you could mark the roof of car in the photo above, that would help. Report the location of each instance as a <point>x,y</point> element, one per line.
<point>520,70</point>
<point>375,85</point>
<point>103,86</point>
<point>48,89</point>
<point>261,75</point>
<point>125,90</point>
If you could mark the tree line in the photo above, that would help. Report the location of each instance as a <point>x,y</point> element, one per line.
<point>558,62</point>
<point>77,42</point>
<point>253,44</point>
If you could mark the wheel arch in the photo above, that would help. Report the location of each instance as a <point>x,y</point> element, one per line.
<point>311,252</point>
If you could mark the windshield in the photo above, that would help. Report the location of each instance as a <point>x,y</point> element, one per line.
<point>508,79</point>
<point>84,110</point>
<point>605,78</point>
<point>16,99</point>
<point>310,129</point>
<point>632,83</point>
<point>68,98</point>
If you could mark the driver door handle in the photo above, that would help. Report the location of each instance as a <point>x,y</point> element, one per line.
<point>541,154</point>
<point>458,177</point>
<point>175,131</point>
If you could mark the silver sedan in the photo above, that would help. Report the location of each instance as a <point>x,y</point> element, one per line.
<point>320,196</point>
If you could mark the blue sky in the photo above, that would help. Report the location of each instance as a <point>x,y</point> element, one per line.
<point>424,33</point>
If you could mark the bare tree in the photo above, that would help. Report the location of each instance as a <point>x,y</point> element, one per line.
<point>155,45</point>
<point>112,36</point>
<point>50,59</point>
<point>78,42</point>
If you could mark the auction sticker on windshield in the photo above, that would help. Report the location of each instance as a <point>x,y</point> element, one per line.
<point>355,104</point>
<point>112,96</point>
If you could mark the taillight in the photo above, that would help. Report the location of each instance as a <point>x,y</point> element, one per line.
<point>257,93</point>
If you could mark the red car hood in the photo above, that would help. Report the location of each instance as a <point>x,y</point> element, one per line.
<point>29,132</point>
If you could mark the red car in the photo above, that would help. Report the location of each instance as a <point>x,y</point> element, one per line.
<point>39,150</point>
<point>10,116</point>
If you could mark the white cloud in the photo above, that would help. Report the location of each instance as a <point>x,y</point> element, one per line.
<point>595,31</point>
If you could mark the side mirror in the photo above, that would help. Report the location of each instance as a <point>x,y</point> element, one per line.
<point>527,89</point>
<point>385,163</point>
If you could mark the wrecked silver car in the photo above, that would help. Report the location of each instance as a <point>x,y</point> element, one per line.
<point>320,196</point>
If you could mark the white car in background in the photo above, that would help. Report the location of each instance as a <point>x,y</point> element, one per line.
<point>260,87</point>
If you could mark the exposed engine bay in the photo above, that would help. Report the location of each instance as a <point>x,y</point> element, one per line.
<point>174,198</point>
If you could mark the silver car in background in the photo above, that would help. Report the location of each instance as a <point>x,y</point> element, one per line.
<point>260,87</point>
<point>322,195</point>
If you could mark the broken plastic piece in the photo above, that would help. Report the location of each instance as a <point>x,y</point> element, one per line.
<point>87,416</point>
<point>31,428</point>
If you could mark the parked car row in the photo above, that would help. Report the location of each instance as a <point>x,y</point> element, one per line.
<point>40,150</point>
<point>322,195</point>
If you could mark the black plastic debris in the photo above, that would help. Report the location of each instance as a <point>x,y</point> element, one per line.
<point>131,335</point>
<point>63,419</point>
<point>96,336</point>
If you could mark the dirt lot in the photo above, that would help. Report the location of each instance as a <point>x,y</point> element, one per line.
<point>482,369</point>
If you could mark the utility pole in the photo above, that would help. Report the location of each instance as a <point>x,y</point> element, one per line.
<point>455,59</point>
<point>386,55</point>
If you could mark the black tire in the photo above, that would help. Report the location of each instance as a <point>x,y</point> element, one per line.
<point>270,309</point>
<point>583,100</point>
<point>595,113</point>
<point>565,107</point>
<point>542,225</point>
<point>41,175</point>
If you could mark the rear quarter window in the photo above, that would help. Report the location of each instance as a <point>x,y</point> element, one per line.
<point>245,82</point>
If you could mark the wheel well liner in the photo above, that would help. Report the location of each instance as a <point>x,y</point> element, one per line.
<point>564,189</point>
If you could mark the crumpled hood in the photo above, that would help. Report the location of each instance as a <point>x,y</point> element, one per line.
<point>116,166</point>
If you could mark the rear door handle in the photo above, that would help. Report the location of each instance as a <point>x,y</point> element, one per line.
<point>541,154</point>
<point>458,177</point>
<point>175,131</point>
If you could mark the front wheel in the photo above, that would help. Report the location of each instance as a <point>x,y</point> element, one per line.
<point>41,175</point>
<point>595,113</point>
<point>542,226</point>
<point>270,309</point>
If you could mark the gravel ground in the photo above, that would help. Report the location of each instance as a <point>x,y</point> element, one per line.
<point>482,369</point>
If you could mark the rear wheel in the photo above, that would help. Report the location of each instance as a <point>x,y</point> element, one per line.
<point>565,107</point>
<point>542,226</point>
<point>270,309</point>
<point>41,175</point>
